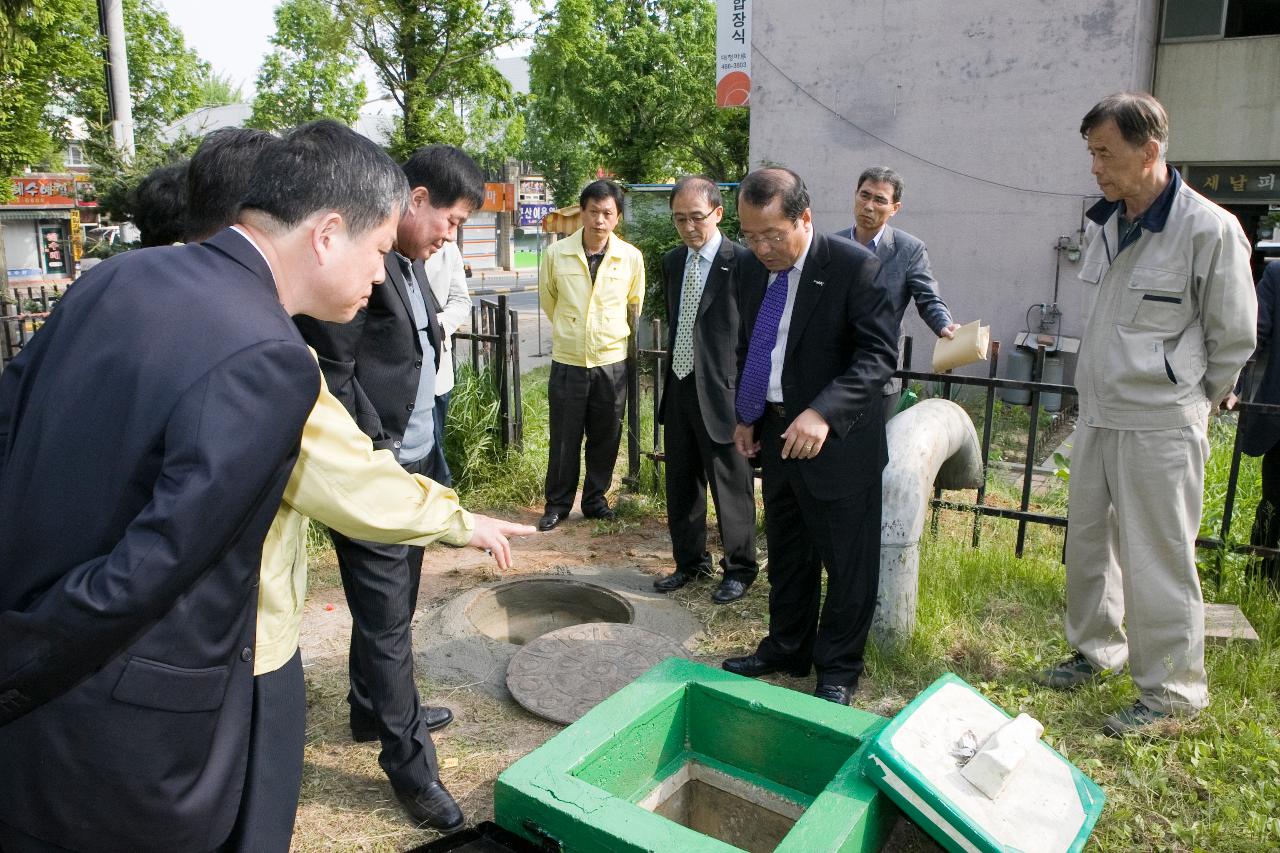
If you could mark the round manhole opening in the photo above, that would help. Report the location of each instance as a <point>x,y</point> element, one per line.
<point>522,610</point>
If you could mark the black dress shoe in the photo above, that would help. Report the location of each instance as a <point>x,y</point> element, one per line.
<point>752,666</point>
<point>434,806</point>
<point>729,590</point>
<point>837,693</point>
<point>677,579</point>
<point>435,717</point>
<point>604,513</point>
<point>549,521</point>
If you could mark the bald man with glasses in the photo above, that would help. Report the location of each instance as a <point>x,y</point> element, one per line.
<point>702,287</point>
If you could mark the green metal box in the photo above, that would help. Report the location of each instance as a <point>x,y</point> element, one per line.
<point>690,758</point>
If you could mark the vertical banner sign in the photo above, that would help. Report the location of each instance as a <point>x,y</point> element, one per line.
<point>52,250</point>
<point>77,237</point>
<point>733,53</point>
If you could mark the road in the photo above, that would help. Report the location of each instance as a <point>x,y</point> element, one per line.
<point>535,331</point>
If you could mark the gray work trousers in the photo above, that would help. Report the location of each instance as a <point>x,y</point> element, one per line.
<point>1133,595</point>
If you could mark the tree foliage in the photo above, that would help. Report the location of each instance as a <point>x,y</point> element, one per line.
<point>434,58</point>
<point>46,43</point>
<point>166,78</point>
<point>310,72</point>
<point>629,85</point>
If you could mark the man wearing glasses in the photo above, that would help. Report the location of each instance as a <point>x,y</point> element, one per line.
<point>817,342</point>
<point>904,260</point>
<point>702,289</point>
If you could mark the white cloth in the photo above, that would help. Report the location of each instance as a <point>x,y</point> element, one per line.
<point>448,281</point>
<point>779,351</point>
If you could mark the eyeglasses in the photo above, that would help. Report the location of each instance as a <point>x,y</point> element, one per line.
<point>877,200</point>
<point>769,239</point>
<point>696,218</point>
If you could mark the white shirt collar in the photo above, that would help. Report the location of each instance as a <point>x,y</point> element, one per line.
<point>708,251</point>
<point>875,241</point>
<point>798,266</point>
<point>254,243</point>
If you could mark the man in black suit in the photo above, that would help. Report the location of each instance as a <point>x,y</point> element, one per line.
<point>382,366</point>
<point>818,341</point>
<point>701,282</point>
<point>904,261</point>
<point>146,436</point>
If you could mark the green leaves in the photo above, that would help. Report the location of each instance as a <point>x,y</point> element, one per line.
<point>629,85</point>
<point>311,70</point>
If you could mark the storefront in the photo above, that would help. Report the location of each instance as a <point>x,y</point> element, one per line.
<point>1249,191</point>
<point>42,227</point>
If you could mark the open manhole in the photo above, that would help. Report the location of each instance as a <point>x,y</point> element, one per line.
<point>727,808</point>
<point>519,611</point>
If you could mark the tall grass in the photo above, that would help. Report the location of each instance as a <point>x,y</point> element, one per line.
<point>485,474</point>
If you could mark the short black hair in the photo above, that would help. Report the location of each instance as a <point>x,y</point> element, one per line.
<point>599,191</point>
<point>697,184</point>
<point>160,205</point>
<point>324,165</point>
<point>219,177</point>
<point>1138,115</point>
<point>448,174</point>
<point>882,175</point>
<point>762,186</point>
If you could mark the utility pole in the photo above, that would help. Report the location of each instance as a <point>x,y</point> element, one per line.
<point>111,24</point>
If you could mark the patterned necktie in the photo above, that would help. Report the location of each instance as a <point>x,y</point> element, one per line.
<point>755,373</point>
<point>690,296</point>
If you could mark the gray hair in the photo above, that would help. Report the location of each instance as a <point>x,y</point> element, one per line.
<point>1138,115</point>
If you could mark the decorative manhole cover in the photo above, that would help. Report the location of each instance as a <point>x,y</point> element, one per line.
<point>564,674</point>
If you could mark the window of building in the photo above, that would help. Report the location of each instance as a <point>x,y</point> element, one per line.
<point>75,156</point>
<point>1186,20</point>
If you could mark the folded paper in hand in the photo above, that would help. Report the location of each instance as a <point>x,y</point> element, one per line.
<point>969,345</point>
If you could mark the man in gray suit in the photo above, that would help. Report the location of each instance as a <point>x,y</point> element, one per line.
<point>904,260</point>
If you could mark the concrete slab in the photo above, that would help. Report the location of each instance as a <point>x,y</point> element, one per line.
<point>770,755</point>
<point>1226,622</point>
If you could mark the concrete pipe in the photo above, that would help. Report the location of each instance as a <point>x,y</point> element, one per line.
<point>932,442</point>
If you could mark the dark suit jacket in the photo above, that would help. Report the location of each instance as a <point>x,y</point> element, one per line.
<point>1259,433</point>
<point>146,435</point>
<point>841,347</point>
<point>373,364</point>
<point>715,335</point>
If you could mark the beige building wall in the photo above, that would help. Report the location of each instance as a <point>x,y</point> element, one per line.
<point>1223,98</point>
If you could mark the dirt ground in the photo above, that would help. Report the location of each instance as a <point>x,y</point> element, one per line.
<point>347,803</point>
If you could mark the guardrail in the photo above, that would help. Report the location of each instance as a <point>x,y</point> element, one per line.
<point>653,362</point>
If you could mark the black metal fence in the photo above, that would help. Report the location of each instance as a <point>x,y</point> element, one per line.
<point>654,360</point>
<point>22,311</point>
<point>495,347</point>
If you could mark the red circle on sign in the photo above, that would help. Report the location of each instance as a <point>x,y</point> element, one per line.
<point>733,90</point>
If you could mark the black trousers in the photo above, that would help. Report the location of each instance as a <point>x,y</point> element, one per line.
<point>1266,523</point>
<point>693,462</point>
<point>273,779</point>
<point>441,415</point>
<point>583,401</point>
<point>381,584</point>
<point>806,533</point>
<point>891,402</point>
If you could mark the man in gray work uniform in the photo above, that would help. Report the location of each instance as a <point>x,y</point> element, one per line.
<point>1171,320</point>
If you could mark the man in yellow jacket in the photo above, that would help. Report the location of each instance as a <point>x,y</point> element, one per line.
<point>586,283</point>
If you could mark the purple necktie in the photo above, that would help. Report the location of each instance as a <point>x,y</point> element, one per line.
<point>754,384</point>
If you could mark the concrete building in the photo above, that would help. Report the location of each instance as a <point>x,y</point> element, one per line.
<point>978,105</point>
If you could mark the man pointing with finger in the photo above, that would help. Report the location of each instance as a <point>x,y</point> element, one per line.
<point>817,342</point>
